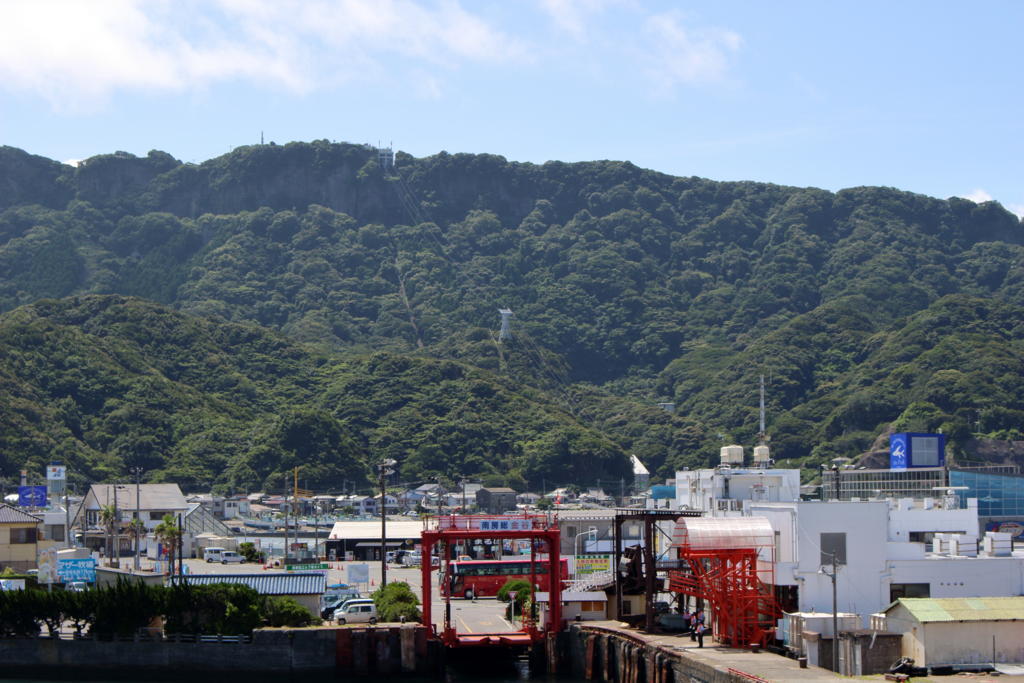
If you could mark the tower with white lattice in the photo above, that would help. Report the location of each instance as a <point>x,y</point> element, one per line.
<point>506,325</point>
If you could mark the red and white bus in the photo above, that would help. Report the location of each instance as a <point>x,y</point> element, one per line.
<point>483,578</point>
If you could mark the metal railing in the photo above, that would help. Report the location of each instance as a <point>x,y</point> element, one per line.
<point>142,636</point>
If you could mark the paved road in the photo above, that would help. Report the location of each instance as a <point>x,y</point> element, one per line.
<point>469,616</point>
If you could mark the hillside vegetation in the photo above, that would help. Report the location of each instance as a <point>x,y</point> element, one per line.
<point>304,290</point>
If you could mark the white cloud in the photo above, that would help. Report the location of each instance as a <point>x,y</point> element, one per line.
<point>73,52</point>
<point>978,196</point>
<point>680,55</point>
<point>572,16</point>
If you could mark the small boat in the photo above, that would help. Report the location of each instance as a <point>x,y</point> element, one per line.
<point>259,523</point>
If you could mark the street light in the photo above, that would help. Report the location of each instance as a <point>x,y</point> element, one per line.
<point>591,535</point>
<point>384,468</point>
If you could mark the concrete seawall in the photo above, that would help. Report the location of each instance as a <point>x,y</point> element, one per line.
<point>346,652</point>
<point>611,654</point>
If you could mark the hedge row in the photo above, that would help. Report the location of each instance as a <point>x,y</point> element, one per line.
<point>123,608</point>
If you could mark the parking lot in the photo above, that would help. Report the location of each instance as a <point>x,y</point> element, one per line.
<point>469,616</point>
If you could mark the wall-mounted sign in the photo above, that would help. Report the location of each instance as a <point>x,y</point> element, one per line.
<point>593,564</point>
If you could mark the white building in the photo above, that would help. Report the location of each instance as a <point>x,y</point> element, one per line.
<point>883,554</point>
<point>723,489</point>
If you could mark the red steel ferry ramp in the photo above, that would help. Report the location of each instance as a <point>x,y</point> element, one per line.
<point>460,579</point>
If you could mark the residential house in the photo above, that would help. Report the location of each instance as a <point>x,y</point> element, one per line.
<point>19,538</point>
<point>151,501</point>
<point>237,506</point>
<point>360,505</point>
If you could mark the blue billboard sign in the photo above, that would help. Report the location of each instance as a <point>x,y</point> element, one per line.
<point>907,449</point>
<point>32,496</point>
<point>77,570</point>
<point>898,452</point>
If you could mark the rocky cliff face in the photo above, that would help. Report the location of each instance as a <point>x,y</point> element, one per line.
<point>30,179</point>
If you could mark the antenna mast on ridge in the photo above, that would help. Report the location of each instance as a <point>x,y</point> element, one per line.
<point>762,456</point>
<point>760,433</point>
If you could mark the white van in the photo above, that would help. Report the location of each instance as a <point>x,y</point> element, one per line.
<point>356,612</point>
<point>213,554</point>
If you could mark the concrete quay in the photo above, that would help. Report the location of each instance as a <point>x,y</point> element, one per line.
<point>609,651</point>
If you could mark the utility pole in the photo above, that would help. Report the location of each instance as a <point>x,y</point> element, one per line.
<point>67,514</point>
<point>463,496</point>
<point>835,614</point>
<point>284,559</point>
<point>116,550</point>
<point>384,468</point>
<point>181,548</point>
<point>137,471</point>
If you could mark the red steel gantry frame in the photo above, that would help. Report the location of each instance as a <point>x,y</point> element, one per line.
<point>448,528</point>
<point>729,563</point>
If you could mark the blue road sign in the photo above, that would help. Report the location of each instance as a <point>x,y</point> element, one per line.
<point>32,496</point>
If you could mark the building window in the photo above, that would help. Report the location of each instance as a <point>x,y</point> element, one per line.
<point>833,544</point>
<point>23,535</point>
<point>55,532</point>
<point>909,590</point>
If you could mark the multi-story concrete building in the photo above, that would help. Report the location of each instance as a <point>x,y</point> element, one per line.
<point>884,549</point>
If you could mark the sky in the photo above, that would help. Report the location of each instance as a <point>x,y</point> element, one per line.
<point>925,96</point>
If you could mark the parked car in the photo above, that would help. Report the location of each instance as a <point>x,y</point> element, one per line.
<point>213,553</point>
<point>230,556</point>
<point>333,601</point>
<point>77,587</point>
<point>357,613</point>
<point>340,611</point>
<point>412,558</point>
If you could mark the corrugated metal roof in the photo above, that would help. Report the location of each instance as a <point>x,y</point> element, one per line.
<point>151,496</point>
<point>370,530</point>
<point>928,610</point>
<point>707,533</point>
<point>298,583</point>
<point>12,515</point>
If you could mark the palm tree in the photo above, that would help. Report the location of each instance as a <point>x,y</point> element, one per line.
<point>168,533</point>
<point>108,518</point>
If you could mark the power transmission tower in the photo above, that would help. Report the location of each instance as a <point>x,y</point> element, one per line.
<point>506,325</point>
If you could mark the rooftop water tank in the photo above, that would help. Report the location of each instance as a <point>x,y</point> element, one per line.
<point>732,455</point>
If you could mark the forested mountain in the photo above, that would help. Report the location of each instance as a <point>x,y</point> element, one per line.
<point>865,309</point>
